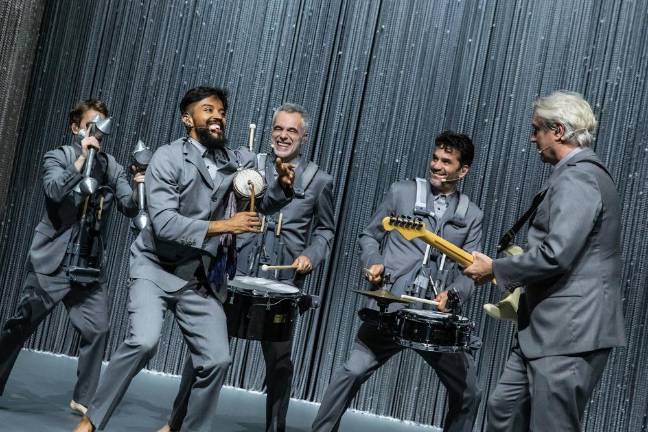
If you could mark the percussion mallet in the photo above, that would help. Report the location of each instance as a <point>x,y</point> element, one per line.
<point>266,267</point>
<point>278,225</point>
<point>251,137</point>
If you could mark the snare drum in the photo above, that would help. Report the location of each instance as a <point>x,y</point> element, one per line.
<point>427,330</point>
<point>261,309</point>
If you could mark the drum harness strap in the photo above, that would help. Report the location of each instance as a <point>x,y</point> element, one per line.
<point>270,223</point>
<point>424,279</point>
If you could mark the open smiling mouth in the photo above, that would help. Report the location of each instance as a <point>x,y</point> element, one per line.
<point>215,128</point>
<point>283,145</point>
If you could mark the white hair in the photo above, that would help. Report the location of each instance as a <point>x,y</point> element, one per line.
<point>572,111</point>
<point>293,108</point>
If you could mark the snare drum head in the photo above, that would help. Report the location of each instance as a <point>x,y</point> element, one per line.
<point>243,179</point>
<point>250,283</point>
<point>430,314</point>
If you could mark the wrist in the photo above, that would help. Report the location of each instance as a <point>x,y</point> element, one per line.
<point>217,227</point>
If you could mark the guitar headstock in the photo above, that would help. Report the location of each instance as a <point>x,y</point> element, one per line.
<point>407,226</point>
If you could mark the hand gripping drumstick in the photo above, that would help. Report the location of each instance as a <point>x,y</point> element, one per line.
<point>420,300</point>
<point>252,195</point>
<point>266,267</point>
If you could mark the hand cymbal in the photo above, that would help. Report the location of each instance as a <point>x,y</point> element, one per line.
<point>383,296</point>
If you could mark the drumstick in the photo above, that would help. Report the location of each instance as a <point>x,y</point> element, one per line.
<point>278,225</point>
<point>420,300</point>
<point>251,137</point>
<point>266,267</point>
<point>252,195</point>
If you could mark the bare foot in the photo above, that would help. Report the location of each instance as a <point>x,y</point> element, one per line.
<point>166,428</point>
<point>85,425</point>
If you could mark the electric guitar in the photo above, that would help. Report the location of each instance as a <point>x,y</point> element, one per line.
<point>412,228</point>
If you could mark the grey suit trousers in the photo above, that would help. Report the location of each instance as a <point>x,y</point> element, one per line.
<point>87,310</point>
<point>544,394</point>
<point>202,322</point>
<point>457,372</point>
<point>279,373</point>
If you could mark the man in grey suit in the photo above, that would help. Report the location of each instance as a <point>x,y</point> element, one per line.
<point>453,216</point>
<point>181,260</point>
<point>52,253</point>
<point>569,316</point>
<point>306,233</point>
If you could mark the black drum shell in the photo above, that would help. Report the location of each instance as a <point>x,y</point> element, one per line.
<point>442,334</point>
<point>261,317</point>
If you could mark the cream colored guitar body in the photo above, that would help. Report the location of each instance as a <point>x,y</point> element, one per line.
<point>506,309</point>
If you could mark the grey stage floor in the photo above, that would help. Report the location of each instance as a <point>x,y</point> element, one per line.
<point>40,386</point>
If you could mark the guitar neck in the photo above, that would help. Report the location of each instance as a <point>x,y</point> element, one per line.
<point>453,251</point>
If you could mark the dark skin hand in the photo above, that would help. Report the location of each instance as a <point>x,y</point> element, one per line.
<point>241,222</point>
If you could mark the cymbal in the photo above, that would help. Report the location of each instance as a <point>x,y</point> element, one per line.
<point>383,295</point>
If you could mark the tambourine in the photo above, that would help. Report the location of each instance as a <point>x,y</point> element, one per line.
<point>249,183</point>
<point>246,180</point>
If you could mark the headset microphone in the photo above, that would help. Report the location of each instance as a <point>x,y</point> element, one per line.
<point>451,179</point>
<point>542,150</point>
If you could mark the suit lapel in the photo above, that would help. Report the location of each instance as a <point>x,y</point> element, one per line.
<point>193,156</point>
<point>223,181</point>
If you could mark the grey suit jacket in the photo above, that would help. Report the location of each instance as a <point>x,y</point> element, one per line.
<point>402,258</point>
<point>571,269</point>
<point>182,199</point>
<point>308,226</point>
<point>63,204</point>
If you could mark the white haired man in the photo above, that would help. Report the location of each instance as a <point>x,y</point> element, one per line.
<point>569,316</point>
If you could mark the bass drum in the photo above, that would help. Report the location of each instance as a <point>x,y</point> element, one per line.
<point>261,309</point>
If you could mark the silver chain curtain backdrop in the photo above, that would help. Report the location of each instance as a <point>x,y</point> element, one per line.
<point>381,79</point>
<point>19,21</point>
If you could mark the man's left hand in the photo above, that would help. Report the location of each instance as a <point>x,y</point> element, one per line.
<point>481,270</point>
<point>303,264</point>
<point>286,172</point>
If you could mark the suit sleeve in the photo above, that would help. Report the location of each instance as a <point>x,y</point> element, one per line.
<point>58,178</point>
<point>372,237</point>
<point>275,198</point>
<point>323,227</point>
<point>462,283</point>
<point>574,206</point>
<point>162,189</point>
<point>123,192</point>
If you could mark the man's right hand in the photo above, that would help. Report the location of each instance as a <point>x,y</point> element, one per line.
<point>241,222</point>
<point>374,274</point>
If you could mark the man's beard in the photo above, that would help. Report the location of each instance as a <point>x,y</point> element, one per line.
<point>208,140</point>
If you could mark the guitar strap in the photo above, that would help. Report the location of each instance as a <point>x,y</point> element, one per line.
<point>508,236</point>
